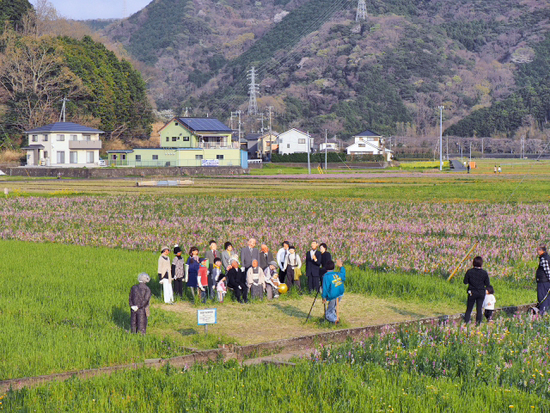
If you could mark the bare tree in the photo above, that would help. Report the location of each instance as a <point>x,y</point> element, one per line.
<point>33,79</point>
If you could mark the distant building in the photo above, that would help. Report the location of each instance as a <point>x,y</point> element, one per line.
<point>332,145</point>
<point>63,144</point>
<point>259,146</point>
<point>187,142</point>
<point>369,143</point>
<point>294,141</point>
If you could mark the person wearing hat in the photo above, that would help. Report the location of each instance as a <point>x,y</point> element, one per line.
<point>178,271</point>
<point>272,281</point>
<point>165,275</point>
<point>140,295</point>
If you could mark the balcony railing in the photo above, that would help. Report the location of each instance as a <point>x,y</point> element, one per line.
<point>85,144</point>
<point>218,145</point>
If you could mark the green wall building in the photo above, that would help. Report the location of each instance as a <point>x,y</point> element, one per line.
<point>186,142</point>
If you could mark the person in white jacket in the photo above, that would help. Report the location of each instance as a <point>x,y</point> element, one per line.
<point>165,275</point>
<point>292,262</point>
<point>489,303</point>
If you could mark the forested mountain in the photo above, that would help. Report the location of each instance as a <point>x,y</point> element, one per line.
<point>12,12</point>
<point>484,60</point>
<point>39,67</point>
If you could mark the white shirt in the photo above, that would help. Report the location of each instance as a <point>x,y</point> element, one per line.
<point>489,302</point>
<point>281,257</point>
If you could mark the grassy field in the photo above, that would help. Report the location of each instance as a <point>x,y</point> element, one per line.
<point>65,307</point>
<point>72,249</point>
<point>433,369</point>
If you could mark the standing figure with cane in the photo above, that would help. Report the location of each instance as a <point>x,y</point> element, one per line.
<point>543,280</point>
<point>333,290</point>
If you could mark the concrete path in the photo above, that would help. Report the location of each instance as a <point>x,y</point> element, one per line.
<point>457,166</point>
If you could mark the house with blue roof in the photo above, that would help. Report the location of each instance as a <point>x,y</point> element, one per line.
<point>63,144</point>
<point>187,142</point>
<point>369,143</point>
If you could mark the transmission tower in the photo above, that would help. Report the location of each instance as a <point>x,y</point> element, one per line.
<point>361,11</point>
<point>253,90</point>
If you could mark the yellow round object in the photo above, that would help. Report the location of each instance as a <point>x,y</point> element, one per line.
<point>283,289</point>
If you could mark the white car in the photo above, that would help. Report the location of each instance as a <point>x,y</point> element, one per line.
<point>101,162</point>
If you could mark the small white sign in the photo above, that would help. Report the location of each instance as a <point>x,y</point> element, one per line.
<point>207,316</point>
<point>210,162</point>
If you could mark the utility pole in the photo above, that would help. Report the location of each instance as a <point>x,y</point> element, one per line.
<point>239,113</point>
<point>447,148</point>
<point>361,11</point>
<point>308,150</point>
<point>62,114</point>
<point>326,149</point>
<point>441,137</point>
<point>470,151</point>
<point>186,114</point>
<point>270,134</point>
<point>253,90</point>
<point>482,156</point>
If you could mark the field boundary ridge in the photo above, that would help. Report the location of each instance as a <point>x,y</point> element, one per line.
<point>247,352</point>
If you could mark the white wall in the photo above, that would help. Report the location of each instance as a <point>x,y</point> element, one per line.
<point>293,141</point>
<point>52,145</point>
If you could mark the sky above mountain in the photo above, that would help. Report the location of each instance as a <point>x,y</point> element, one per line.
<point>96,9</point>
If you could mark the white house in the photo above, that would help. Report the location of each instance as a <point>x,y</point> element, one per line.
<point>294,141</point>
<point>63,144</point>
<point>369,143</point>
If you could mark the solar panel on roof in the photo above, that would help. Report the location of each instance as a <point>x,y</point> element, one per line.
<point>205,124</point>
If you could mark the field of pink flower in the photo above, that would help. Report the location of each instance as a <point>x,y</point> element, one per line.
<point>424,237</point>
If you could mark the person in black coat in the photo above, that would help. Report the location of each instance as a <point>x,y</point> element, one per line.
<point>313,262</point>
<point>140,295</point>
<point>477,280</point>
<point>236,280</point>
<point>325,257</point>
<point>543,279</point>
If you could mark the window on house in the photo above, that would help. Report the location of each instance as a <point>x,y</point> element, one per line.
<point>219,156</point>
<point>74,137</point>
<point>114,157</point>
<point>174,138</point>
<point>89,156</point>
<point>198,157</point>
<point>45,154</point>
<point>302,141</point>
<point>155,157</point>
<point>123,156</point>
<point>176,123</point>
<point>288,145</point>
<point>167,139</point>
<point>35,138</point>
<point>73,157</point>
<point>45,138</point>
<point>87,137</point>
<point>361,145</point>
<point>60,138</point>
<point>186,138</point>
<point>61,156</point>
<point>138,158</point>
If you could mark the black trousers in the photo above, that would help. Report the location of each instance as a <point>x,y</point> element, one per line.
<point>178,286</point>
<point>542,289</point>
<point>138,321</point>
<point>241,293</point>
<point>313,283</point>
<point>476,298</point>
<point>489,314</point>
